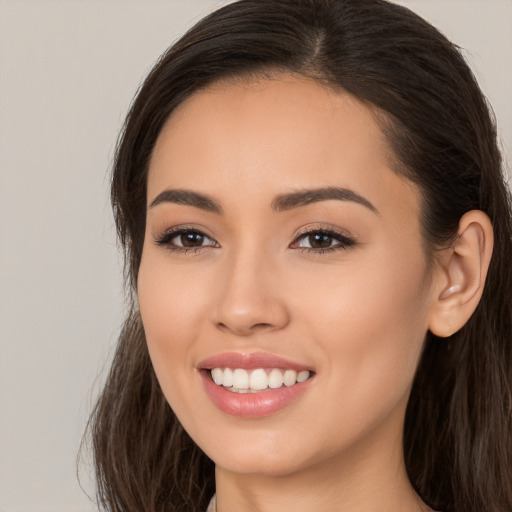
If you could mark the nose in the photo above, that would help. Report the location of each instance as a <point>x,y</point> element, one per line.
<point>251,297</point>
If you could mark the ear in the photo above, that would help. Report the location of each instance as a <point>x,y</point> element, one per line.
<point>461,273</point>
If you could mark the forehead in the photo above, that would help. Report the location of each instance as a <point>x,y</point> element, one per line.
<point>282,115</point>
<point>273,136</point>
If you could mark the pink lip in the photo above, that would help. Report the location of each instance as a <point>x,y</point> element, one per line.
<point>250,361</point>
<point>251,405</point>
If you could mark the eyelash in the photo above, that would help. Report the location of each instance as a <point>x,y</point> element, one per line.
<point>344,241</point>
<point>166,238</point>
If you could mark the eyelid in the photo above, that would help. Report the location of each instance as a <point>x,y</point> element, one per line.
<point>326,228</point>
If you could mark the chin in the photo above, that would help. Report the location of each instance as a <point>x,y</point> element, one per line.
<point>259,466</point>
<point>275,457</point>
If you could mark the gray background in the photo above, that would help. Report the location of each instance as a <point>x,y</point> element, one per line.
<point>68,70</point>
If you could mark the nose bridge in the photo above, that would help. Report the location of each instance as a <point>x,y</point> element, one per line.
<point>249,297</point>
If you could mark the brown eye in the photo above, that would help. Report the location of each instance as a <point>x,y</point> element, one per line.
<point>322,240</point>
<point>190,239</point>
<point>182,239</point>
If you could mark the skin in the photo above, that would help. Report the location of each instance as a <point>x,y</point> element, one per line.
<point>357,315</point>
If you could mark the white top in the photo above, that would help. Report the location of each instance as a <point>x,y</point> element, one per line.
<point>212,507</point>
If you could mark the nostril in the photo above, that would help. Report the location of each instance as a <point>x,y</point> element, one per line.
<point>261,326</point>
<point>245,329</point>
<point>237,329</point>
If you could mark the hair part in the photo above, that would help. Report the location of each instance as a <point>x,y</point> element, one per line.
<point>442,135</point>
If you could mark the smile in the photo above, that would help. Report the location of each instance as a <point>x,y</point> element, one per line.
<point>239,380</point>
<point>254,385</point>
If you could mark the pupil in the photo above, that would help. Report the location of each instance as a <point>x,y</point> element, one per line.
<point>191,239</point>
<point>320,241</point>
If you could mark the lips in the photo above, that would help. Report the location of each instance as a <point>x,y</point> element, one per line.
<point>250,361</point>
<point>255,384</point>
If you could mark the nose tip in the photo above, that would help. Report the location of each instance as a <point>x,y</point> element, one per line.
<point>250,302</point>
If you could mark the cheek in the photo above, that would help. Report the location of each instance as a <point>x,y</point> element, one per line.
<point>170,298</point>
<point>370,322</point>
<point>171,305</point>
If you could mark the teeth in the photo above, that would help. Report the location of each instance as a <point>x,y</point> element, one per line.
<point>242,381</point>
<point>218,376</point>
<point>275,379</point>
<point>258,380</point>
<point>301,376</point>
<point>227,378</point>
<point>290,377</point>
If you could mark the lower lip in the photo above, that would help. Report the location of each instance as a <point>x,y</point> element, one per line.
<point>252,405</point>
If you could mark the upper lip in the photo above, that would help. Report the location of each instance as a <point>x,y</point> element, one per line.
<point>250,361</point>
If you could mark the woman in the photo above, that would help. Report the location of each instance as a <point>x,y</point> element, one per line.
<point>317,238</point>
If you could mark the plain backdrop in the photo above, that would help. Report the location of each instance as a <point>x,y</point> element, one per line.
<point>68,71</point>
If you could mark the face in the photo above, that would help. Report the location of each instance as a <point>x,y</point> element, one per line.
<point>283,255</point>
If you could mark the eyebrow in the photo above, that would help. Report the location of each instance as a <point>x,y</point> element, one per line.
<point>286,202</point>
<point>282,202</point>
<point>189,198</point>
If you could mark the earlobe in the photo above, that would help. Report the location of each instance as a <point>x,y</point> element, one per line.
<point>461,274</point>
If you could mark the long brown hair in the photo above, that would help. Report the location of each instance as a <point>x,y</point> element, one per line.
<point>458,433</point>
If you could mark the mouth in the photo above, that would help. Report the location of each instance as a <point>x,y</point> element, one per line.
<point>240,380</point>
<point>253,385</point>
